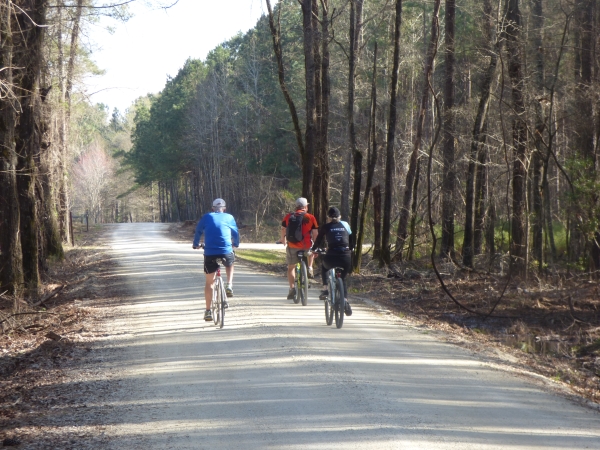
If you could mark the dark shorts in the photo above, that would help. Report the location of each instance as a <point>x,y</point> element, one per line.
<point>332,260</point>
<point>211,263</point>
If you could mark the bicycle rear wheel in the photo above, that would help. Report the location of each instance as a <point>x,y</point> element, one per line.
<point>297,283</point>
<point>217,300</point>
<point>340,302</point>
<point>222,304</point>
<point>329,302</point>
<point>303,283</point>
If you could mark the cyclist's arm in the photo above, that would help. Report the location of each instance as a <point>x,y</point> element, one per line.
<point>319,238</point>
<point>283,230</point>
<point>198,234</point>
<point>283,235</point>
<point>235,234</point>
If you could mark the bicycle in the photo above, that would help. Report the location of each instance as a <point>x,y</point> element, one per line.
<point>301,278</point>
<point>218,302</point>
<point>335,304</point>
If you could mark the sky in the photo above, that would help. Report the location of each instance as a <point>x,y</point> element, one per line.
<point>155,43</point>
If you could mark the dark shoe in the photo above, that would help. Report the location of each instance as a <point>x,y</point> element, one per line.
<point>324,295</point>
<point>347,309</point>
<point>228,292</point>
<point>208,315</point>
<point>291,294</point>
<point>225,303</point>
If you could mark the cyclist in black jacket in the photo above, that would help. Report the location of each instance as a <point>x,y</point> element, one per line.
<point>337,234</point>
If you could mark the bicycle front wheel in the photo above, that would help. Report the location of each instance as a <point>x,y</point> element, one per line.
<point>329,302</point>
<point>340,302</point>
<point>303,283</point>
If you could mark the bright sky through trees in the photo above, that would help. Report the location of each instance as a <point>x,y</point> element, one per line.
<point>155,43</point>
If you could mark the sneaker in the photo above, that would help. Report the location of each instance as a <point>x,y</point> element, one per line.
<point>208,315</point>
<point>347,309</point>
<point>228,292</point>
<point>324,295</point>
<point>225,303</point>
<point>291,294</point>
<point>311,273</point>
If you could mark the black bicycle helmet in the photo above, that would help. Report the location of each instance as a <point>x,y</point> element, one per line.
<point>333,212</point>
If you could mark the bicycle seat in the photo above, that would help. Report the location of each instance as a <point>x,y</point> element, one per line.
<point>300,254</point>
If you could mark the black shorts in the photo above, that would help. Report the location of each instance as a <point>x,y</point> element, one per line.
<point>211,264</point>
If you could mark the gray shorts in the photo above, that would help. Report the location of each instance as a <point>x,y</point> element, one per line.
<point>291,254</point>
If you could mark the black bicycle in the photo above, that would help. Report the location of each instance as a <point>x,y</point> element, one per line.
<point>335,304</point>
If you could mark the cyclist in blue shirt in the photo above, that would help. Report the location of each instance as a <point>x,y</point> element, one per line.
<point>220,236</point>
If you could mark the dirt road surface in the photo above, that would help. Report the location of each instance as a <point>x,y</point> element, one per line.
<point>277,377</point>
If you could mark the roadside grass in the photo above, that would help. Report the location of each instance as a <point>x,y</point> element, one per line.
<point>261,256</point>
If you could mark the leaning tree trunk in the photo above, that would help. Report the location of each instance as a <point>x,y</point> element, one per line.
<point>391,136</point>
<point>11,262</point>
<point>412,168</point>
<point>276,35</point>
<point>448,179</point>
<point>477,141</point>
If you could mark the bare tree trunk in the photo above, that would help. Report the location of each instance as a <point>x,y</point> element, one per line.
<point>518,244</point>
<point>66,96</point>
<point>31,18</point>
<point>11,262</point>
<point>356,7</point>
<point>537,21</point>
<point>412,168</point>
<point>310,138</point>
<point>391,135</point>
<point>324,125</point>
<point>371,163</point>
<point>481,180</point>
<point>377,222</point>
<point>448,180</point>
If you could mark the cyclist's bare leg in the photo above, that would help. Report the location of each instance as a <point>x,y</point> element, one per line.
<point>291,274</point>
<point>311,258</point>
<point>229,271</point>
<point>209,287</point>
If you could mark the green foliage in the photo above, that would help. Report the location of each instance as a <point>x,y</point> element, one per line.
<point>262,256</point>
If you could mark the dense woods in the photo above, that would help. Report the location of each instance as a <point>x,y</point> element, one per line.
<point>482,115</point>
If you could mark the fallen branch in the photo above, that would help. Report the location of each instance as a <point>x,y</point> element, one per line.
<point>572,310</point>
<point>49,295</point>
<point>23,313</point>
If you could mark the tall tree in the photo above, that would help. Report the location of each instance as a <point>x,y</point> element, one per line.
<point>411,178</point>
<point>11,262</point>
<point>356,8</point>
<point>518,244</point>
<point>31,18</point>
<point>390,141</point>
<point>448,179</point>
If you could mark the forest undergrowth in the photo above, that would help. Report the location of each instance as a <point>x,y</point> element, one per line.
<point>47,352</point>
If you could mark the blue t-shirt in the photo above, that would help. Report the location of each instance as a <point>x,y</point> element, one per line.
<point>220,232</point>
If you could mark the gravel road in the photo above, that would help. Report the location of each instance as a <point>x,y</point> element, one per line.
<point>277,377</point>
